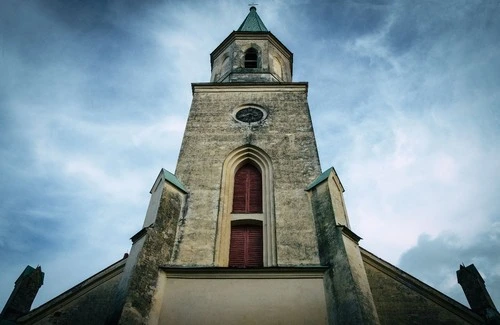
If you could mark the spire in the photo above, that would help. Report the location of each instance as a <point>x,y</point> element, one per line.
<point>252,23</point>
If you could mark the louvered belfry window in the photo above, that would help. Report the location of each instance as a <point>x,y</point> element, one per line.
<point>251,58</point>
<point>247,197</point>
<point>246,239</point>
<point>246,246</point>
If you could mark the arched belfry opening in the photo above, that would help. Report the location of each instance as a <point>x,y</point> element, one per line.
<point>246,222</point>
<point>251,58</point>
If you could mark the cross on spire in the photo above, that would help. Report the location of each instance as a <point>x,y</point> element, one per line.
<point>252,6</point>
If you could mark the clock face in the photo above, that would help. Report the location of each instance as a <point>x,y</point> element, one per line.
<point>249,115</point>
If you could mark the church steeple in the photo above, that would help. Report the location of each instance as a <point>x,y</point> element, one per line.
<point>252,23</point>
<point>251,54</point>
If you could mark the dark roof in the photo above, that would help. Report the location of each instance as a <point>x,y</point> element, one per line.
<point>252,23</point>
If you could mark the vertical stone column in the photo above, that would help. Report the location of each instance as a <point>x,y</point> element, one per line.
<point>152,247</point>
<point>24,293</point>
<point>478,297</point>
<point>348,294</point>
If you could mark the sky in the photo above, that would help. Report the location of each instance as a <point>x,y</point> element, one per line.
<point>404,97</point>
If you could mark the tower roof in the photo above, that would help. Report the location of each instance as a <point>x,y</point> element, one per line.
<point>252,23</point>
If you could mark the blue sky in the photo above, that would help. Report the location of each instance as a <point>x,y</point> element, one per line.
<point>404,98</point>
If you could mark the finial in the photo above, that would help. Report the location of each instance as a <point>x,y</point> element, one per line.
<point>252,6</point>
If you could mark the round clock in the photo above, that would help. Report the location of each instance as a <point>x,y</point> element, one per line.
<point>249,115</point>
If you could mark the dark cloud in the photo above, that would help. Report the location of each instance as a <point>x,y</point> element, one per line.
<point>435,260</point>
<point>422,25</point>
<point>343,19</point>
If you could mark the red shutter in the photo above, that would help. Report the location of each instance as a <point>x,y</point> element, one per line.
<point>240,195</point>
<point>237,247</point>
<point>254,247</point>
<point>247,197</point>
<point>254,191</point>
<point>246,246</point>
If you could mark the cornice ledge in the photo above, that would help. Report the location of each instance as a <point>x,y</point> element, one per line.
<point>300,272</point>
<point>248,87</point>
<point>349,233</point>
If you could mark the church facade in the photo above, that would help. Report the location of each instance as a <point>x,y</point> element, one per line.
<point>249,229</point>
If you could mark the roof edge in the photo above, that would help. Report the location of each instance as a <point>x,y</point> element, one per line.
<point>419,286</point>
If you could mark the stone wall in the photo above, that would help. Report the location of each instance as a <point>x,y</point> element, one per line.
<point>349,298</point>
<point>274,63</point>
<point>153,247</point>
<point>286,136</point>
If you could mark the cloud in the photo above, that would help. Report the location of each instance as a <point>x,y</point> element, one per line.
<point>86,128</point>
<point>435,260</point>
<point>409,128</point>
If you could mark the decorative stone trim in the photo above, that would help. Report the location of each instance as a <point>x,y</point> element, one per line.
<point>249,87</point>
<point>249,114</point>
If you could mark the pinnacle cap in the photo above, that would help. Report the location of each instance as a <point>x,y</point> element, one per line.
<point>252,22</point>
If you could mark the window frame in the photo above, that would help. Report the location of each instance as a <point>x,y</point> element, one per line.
<point>236,159</point>
<point>249,58</point>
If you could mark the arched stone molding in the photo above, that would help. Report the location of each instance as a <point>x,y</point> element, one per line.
<point>222,67</point>
<point>278,67</point>
<point>236,159</point>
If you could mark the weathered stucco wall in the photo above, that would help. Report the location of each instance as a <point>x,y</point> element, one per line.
<point>402,299</point>
<point>219,298</point>
<point>286,135</point>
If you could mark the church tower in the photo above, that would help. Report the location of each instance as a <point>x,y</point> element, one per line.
<point>247,223</point>
<point>248,230</point>
<point>247,155</point>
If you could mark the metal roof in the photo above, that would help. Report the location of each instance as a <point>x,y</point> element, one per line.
<point>320,179</point>
<point>252,23</point>
<point>169,177</point>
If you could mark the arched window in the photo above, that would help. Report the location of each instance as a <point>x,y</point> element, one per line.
<point>251,58</point>
<point>247,194</point>
<point>246,222</point>
<point>245,248</point>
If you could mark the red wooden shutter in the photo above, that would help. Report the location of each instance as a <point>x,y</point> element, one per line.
<point>246,246</point>
<point>247,197</point>
<point>237,247</point>
<point>254,247</point>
